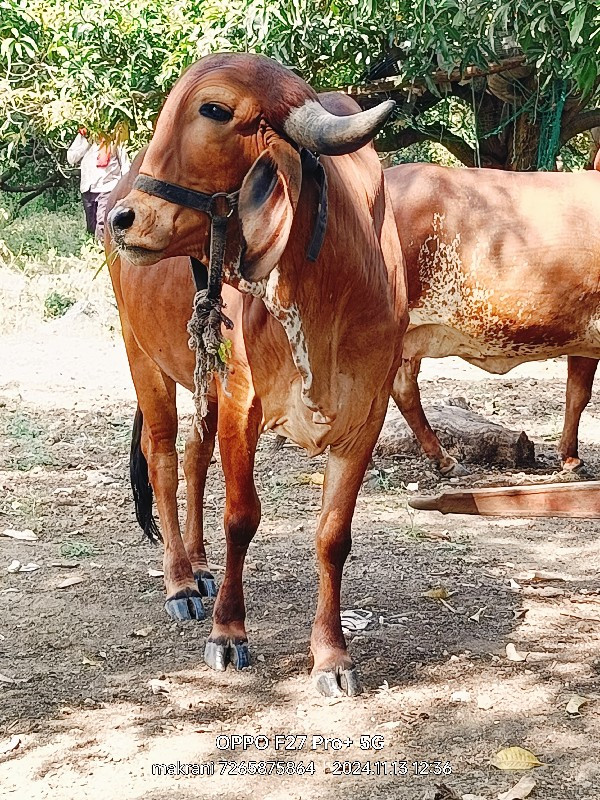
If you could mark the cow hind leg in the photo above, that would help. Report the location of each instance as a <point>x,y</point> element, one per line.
<point>196,460</point>
<point>154,472</point>
<point>407,397</point>
<point>580,380</point>
<point>238,435</point>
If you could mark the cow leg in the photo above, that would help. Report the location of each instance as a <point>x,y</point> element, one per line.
<point>156,400</point>
<point>238,435</point>
<point>407,397</point>
<point>333,671</point>
<point>196,460</point>
<point>580,379</point>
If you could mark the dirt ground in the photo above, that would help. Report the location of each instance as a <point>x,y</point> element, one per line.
<point>76,662</point>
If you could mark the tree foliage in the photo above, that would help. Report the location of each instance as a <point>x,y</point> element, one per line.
<point>108,65</point>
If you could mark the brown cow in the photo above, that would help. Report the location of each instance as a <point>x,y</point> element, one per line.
<point>502,268</point>
<point>308,362</point>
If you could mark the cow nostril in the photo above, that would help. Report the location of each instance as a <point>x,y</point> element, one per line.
<point>123,218</point>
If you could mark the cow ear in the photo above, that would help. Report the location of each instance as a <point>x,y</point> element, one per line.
<point>268,200</point>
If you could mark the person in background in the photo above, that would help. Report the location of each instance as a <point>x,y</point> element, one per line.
<point>102,165</point>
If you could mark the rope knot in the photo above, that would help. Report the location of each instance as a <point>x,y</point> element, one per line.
<point>212,348</point>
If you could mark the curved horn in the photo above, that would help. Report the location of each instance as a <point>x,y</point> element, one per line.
<point>315,128</point>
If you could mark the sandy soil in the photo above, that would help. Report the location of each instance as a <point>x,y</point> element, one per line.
<point>439,686</point>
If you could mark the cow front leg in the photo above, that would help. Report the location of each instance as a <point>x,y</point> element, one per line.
<point>196,460</point>
<point>333,671</point>
<point>407,397</point>
<point>238,435</point>
<point>580,379</point>
<point>158,416</point>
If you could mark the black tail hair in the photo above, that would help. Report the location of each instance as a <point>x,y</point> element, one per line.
<point>140,483</point>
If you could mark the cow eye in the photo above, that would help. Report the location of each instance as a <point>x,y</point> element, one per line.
<point>218,113</point>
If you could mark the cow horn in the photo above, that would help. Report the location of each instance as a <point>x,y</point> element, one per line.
<point>315,128</point>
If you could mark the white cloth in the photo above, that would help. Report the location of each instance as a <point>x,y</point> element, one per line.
<point>93,178</point>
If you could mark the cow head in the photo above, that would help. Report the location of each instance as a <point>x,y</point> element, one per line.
<point>233,122</point>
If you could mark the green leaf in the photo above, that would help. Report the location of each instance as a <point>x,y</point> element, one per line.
<point>224,351</point>
<point>577,25</point>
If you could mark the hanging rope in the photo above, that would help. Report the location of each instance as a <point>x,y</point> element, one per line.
<point>551,118</point>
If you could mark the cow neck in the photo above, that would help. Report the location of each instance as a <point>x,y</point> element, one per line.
<point>331,309</point>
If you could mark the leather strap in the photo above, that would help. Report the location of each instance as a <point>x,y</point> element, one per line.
<point>311,165</point>
<point>219,204</point>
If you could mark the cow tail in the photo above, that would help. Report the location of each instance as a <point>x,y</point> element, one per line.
<point>140,483</point>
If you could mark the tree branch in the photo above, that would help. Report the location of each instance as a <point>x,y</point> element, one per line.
<point>419,86</point>
<point>399,139</point>
<point>579,124</point>
<point>53,180</point>
<point>29,197</point>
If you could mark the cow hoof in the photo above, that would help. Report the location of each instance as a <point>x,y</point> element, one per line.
<point>575,469</point>
<point>334,683</point>
<point>185,605</point>
<point>207,586</point>
<point>220,652</point>
<point>455,470</point>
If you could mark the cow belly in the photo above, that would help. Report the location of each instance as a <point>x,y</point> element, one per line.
<point>495,354</point>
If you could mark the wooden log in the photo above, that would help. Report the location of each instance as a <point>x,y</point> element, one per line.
<point>467,436</point>
<point>571,500</point>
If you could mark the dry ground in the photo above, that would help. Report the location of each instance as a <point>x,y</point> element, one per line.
<point>89,723</point>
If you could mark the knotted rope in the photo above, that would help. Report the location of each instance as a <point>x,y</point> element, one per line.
<point>212,348</point>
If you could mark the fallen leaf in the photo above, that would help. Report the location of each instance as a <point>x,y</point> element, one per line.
<point>26,535</point>
<point>31,567</point>
<point>472,797</point>
<point>70,582</point>
<point>90,661</point>
<point>538,575</point>
<point>476,617</point>
<point>412,487</point>
<point>354,620</point>
<point>65,564</point>
<point>159,687</point>
<point>484,702</point>
<point>143,632</point>
<point>6,679</point>
<point>441,593</point>
<point>575,704</point>
<point>513,584</point>
<point>514,758</point>
<point>460,696</point>
<point>512,654</point>
<point>521,790</point>
<point>391,725</point>
<point>441,792</point>
<point>318,478</point>
<point>436,535</point>
<point>155,573</point>
<point>10,744</point>
<point>14,566</point>
<point>519,613</point>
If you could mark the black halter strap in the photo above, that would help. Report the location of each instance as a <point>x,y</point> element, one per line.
<point>221,205</point>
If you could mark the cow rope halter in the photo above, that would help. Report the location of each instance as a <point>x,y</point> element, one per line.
<point>205,325</point>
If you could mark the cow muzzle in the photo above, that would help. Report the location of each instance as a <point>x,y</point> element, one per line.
<point>126,231</point>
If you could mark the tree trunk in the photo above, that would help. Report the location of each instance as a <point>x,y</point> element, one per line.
<point>523,144</point>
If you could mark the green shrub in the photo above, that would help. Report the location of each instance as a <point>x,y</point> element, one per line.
<point>57,304</point>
